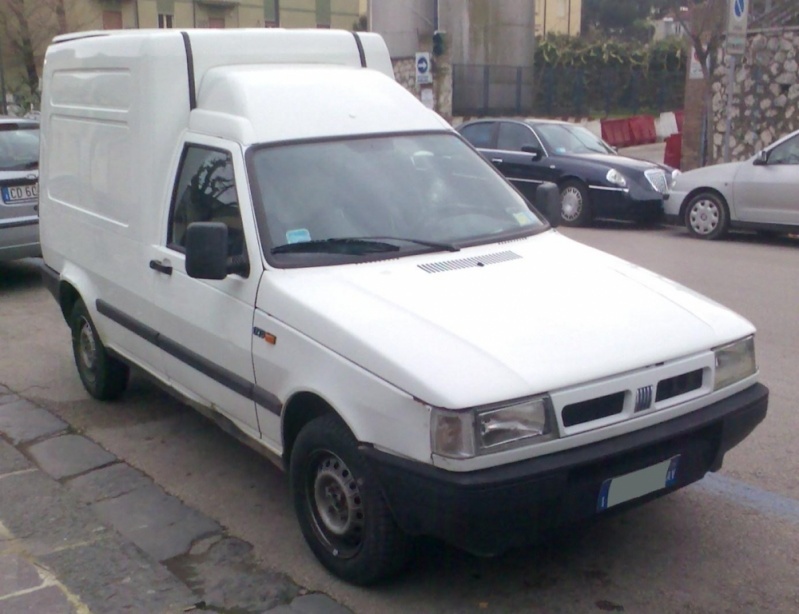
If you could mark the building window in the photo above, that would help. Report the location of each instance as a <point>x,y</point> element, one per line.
<point>271,13</point>
<point>165,21</point>
<point>216,22</point>
<point>112,20</point>
<point>322,13</point>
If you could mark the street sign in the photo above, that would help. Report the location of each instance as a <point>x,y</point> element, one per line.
<point>738,17</point>
<point>736,44</point>
<point>424,74</point>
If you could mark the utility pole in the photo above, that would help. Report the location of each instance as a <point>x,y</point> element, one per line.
<point>3,105</point>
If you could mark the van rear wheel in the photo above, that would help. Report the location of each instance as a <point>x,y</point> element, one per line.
<point>103,376</point>
<point>340,508</point>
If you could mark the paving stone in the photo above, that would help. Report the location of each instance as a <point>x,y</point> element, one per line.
<point>49,600</point>
<point>109,482</point>
<point>156,522</point>
<point>4,389</point>
<point>17,574</point>
<point>22,421</point>
<point>69,455</point>
<point>33,505</point>
<point>11,460</point>
<point>113,576</point>
<point>7,397</point>
<point>315,603</point>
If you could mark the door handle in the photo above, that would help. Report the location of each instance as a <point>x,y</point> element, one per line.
<point>157,265</point>
<point>497,160</point>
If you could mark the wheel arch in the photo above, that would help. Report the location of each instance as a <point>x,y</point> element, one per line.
<point>68,295</point>
<point>302,408</point>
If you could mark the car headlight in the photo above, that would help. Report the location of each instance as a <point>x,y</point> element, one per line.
<point>465,434</point>
<point>735,362</point>
<point>674,174</point>
<point>616,178</point>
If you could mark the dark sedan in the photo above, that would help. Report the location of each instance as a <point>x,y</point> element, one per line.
<point>594,181</point>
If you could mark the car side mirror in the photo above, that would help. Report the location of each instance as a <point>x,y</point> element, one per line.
<point>547,201</point>
<point>537,152</point>
<point>761,159</point>
<point>206,250</point>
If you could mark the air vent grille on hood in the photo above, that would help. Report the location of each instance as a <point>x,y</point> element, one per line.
<point>467,263</point>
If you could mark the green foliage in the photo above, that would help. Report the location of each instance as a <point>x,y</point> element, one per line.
<point>575,52</point>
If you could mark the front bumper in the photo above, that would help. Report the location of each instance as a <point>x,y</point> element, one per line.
<point>635,204</point>
<point>492,510</point>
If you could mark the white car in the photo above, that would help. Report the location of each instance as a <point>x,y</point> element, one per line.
<point>757,194</point>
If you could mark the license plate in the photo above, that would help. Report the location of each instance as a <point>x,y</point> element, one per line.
<point>20,193</point>
<point>637,484</point>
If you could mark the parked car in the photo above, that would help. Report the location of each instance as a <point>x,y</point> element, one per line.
<point>19,188</point>
<point>594,180</point>
<point>757,194</point>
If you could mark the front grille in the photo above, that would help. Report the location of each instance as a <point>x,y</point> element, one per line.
<point>593,409</point>
<point>680,384</point>
<point>657,178</point>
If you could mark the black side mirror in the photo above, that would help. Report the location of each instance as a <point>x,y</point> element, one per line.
<point>206,250</point>
<point>537,152</point>
<point>547,200</point>
<point>761,159</point>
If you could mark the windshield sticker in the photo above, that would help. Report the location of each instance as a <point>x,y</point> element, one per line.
<point>298,235</point>
<point>524,217</point>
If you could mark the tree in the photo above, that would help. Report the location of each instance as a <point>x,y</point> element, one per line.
<point>27,26</point>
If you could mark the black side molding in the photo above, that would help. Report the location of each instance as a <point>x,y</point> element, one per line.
<point>190,68</point>
<point>219,374</point>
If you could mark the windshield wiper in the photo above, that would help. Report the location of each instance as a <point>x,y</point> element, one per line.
<point>447,247</point>
<point>348,246</point>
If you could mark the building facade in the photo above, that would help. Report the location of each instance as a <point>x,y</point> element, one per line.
<point>558,17</point>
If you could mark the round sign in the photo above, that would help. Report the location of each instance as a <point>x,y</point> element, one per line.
<point>740,8</point>
<point>422,65</point>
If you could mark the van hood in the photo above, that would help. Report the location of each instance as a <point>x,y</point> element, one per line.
<point>498,322</point>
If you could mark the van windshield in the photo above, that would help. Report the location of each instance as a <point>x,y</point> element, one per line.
<point>336,201</point>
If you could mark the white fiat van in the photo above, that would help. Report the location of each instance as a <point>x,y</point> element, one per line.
<point>270,226</point>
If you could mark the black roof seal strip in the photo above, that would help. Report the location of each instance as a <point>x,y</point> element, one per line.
<point>190,68</point>
<point>361,52</point>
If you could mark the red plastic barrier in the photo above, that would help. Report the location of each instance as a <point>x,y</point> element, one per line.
<point>643,130</point>
<point>673,154</point>
<point>679,116</point>
<point>617,132</point>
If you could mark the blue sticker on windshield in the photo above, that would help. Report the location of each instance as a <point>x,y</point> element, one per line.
<point>560,150</point>
<point>298,235</point>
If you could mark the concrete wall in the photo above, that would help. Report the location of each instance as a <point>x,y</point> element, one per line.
<point>402,24</point>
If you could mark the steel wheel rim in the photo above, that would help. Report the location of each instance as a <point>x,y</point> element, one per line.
<point>704,216</point>
<point>571,203</point>
<point>87,348</point>
<point>336,505</point>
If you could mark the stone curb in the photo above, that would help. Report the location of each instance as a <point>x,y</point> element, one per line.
<point>85,532</point>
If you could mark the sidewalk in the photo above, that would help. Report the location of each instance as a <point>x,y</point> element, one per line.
<point>83,533</point>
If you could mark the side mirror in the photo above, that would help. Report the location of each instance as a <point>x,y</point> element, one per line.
<point>537,152</point>
<point>206,250</point>
<point>547,200</point>
<point>761,159</point>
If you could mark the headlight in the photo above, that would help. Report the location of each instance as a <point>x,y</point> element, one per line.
<point>735,362</point>
<point>674,174</point>
<point>480,431</point>
<point>616,178</point>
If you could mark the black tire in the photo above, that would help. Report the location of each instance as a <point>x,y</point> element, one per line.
<point>354,534</point>
<point>707,216</point>
<point>575,205</point>
<point>103,376</point>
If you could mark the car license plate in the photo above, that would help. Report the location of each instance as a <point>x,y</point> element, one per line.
<point>20,193</point>
<point>637,484</point>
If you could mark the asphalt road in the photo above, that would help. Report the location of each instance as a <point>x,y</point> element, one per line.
<point>727,544</point>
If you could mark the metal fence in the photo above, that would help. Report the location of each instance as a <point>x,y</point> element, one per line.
<point>549,91</point>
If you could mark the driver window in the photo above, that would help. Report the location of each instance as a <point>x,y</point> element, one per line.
<point>512,137</point>
<point>786,153</point>
<point>205,192</point>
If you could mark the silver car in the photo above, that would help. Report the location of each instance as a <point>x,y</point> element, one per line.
<point>19,188</point>
<point>756,194</point>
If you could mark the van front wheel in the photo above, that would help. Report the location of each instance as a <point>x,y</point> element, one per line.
<point>340,508</point>
<point>103,376</point>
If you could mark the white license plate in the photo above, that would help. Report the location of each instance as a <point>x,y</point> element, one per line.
<point>637,484</point>
<point>20,193</point>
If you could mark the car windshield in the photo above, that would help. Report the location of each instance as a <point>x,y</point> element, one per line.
<point>569,139</point>
<point>336,201</point>
<point>19,147</point>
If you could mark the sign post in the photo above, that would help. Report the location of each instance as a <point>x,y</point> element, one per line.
<point>737,23</point>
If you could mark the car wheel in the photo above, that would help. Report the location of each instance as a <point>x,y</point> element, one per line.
<point>575,208</point>
<point>340,508</point>
<point>707,216</point>
<point>103,376</point>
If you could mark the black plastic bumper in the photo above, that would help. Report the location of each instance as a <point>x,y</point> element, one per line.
<point>51,279</point>
<point>492,510</point>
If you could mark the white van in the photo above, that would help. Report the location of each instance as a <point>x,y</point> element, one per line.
<point>270,226</point>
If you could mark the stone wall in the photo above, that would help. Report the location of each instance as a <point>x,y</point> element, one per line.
<point>766,94</point>
<point>405,73</point>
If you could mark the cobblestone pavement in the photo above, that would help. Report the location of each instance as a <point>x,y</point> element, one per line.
<point>83,533</point>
